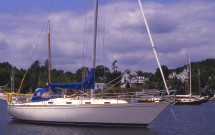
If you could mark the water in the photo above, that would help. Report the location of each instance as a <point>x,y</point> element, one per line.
<point>192,120</point>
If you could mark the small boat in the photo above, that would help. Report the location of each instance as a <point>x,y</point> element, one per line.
<point>212,99</point>
<point>204,99</point>
<point>188,99</point>
<point>3,96</point>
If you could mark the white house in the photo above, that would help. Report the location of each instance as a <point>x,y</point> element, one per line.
<point>125,78</point>
<point>100,86</point>
<point>137,79</point>
<point>132,78</point>
<point>183,75</point>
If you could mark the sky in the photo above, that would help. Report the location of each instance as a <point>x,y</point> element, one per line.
<point>177,27</point>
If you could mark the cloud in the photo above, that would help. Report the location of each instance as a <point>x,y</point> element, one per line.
<point>176,27</point>
<point>3,44</point>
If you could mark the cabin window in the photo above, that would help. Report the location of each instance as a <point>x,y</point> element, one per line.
<point>88,103</point>
<point>50,102</point>
<point>69,103</point>
<point>106,102</point>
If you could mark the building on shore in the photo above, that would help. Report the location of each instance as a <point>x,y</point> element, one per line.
<point>182,75</point>
<point>100,86</point>
<point>129,80</point>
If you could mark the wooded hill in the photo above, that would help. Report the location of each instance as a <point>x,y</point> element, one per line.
<point>207,75</point>
<point>37,76</point>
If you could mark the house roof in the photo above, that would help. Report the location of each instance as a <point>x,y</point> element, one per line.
<point>133,74</point>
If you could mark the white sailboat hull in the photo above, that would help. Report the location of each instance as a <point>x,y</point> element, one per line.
<point>131,114</point>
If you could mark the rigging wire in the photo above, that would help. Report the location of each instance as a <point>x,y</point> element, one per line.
<point>85,29</point>
<point>103,39</point>
<point>133,68</point>
<point>83,69</point>
<point>42,56</point>
<point>153,46</point>
<point>38,85</point>
<point>108,88</point>
<point>34,48</point>
<point>98,34</point>
<point>27,82</point>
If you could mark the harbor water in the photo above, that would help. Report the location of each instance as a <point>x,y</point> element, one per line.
<point>188,120</point>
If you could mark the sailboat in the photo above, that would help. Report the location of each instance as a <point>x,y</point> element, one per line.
<point>188,99</point>
<point>47,106</point>
<point>204,99</point>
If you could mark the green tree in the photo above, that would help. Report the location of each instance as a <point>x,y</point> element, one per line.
<point>4,77</point>
<point>5,65</point>
<point>140,73</point>
<point>114,67</point>
<point>176,84</point>
<point>101,72</point>
<point>79,75</point>
<point>116,76</point>
<point>158,76</point>
<point>149,85</point>
<point>70,76</point>
<point>128,71</point>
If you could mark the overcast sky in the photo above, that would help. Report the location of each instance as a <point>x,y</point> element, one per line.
<point>177,27</point>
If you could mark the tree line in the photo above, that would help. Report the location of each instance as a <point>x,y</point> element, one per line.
<point>37,76</point>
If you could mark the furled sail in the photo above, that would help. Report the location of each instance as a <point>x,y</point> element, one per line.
<point>86,84</point>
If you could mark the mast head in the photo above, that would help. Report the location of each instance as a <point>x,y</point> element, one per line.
<point>48,26</point>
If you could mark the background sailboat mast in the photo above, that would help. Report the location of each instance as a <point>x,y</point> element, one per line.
<point>200,91</point>
<point>12,79</point>
<point>153,47</point>
<point>94,41</point>
<point>189,75</point>
<point>190,79</point>
<point>49,51</point>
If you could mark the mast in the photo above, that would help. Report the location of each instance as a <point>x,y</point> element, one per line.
<point>200,91</point>
<point>190,79</point>
<point>12,79</point>
<point>153,47</point>
<point>94,42</point>
<point>189,76</point>
<point>49,51</point>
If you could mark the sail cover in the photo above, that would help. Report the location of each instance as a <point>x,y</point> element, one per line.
<point>43,94</point>
<point>86,84</point>
<point>38,95</point>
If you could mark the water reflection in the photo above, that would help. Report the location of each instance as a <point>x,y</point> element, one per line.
<point>23,128</point>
